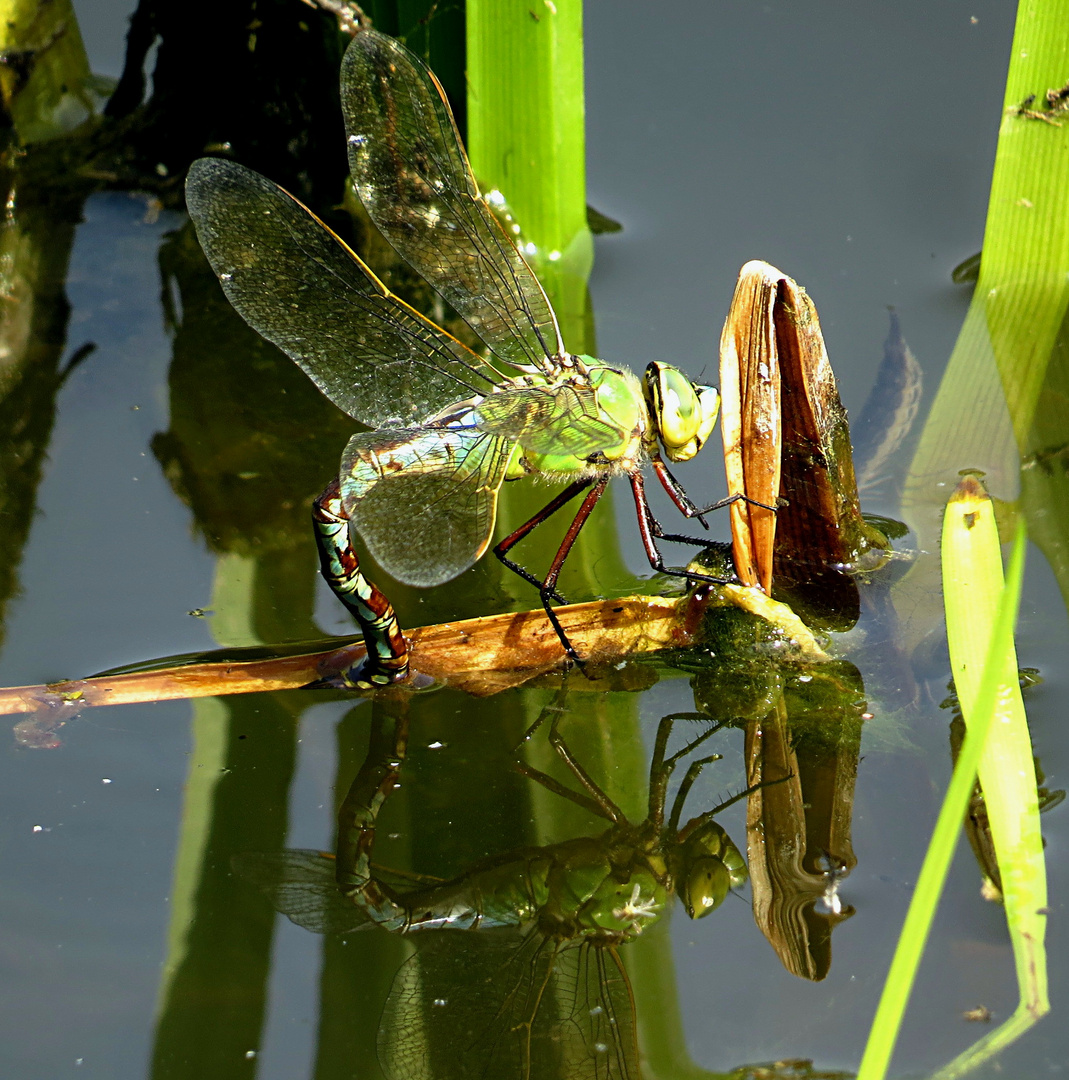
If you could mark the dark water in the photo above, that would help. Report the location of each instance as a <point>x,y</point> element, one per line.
<point>851,146</point>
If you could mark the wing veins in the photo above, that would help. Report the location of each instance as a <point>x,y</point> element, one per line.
<point>471,197</point>
<point>511,324</point>
<point>496,257</point>
<point>386,295</point>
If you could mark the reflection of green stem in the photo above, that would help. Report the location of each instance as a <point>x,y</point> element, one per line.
<point>213,994</point>
<point>232,601</point>
<point>206,769</point>
<point>662,1040</point>
<point>234,800</point>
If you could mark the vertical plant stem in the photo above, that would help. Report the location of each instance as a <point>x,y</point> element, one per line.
<point>526,129</point>
<point>526,116</point>
<point>984,412</point>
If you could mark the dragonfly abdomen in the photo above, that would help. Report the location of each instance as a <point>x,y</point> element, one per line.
<point>387,653</point>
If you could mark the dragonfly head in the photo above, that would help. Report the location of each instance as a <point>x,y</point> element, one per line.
<point>706,885</point>
<point>710,867</point>
<point>684,412</point>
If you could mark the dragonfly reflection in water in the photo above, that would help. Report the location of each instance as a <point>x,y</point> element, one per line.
<point>535,987</point>
<point>451,425</point>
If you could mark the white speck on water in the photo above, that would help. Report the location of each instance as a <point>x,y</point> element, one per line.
<point>436,745</point>
<point>38,828</point>
<point>440,1002</point>
<point>105,780</point>
<point>250,1054</point>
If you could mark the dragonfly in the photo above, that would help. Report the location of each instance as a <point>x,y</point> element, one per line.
<point>448,424</point>
<point>535,978</point>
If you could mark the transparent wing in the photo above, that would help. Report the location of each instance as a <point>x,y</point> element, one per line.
<point>413,176</point>
<point>508,1006</point>
<point>300,286</point>
<point>301,886</point>
<point>424,499</point>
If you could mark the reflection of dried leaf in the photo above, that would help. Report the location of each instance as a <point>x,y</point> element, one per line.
<point>798,839</point>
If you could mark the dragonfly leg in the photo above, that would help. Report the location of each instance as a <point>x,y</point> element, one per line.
<point>687,506</point>
<point>662,766</point>
<point>721,503</point>
<point>386,661</point>
<point>597,802</point>
<point>677,493</point>
<point>708,815</point>
<point>502,549</point>
<point>650,530</point>
<point>694,770</point>
<point>548,588</point>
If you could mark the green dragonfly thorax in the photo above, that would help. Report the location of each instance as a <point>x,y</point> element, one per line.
<point>583,422</point>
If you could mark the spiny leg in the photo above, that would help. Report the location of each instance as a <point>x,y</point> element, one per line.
<point>708,815</point>
<point>662,766</point>
<point>547,587</point>
<point>687,507</point>
<point>386,661</point>
<point>597,802</point>
<point>677,493</point>
<point>501,550</point>
<point>694,770</point>
<point>650,530</point>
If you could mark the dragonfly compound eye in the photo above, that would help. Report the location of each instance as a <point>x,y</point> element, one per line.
<point>684,413</point>
<point>707,883</point>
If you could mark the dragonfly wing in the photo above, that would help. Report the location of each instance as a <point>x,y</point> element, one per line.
<point>301,886</point>
<point>300,286</point>
<point>425,499</point>
<point>413,176</point>
<point>498,1004</point>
